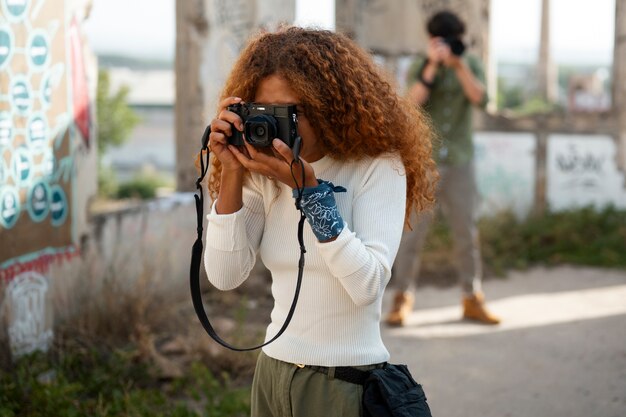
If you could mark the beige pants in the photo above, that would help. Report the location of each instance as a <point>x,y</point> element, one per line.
<point>457,197</point>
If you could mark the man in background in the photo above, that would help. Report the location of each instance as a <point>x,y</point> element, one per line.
<point>447,83</point>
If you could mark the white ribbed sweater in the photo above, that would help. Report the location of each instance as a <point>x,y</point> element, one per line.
<point>336,321</point>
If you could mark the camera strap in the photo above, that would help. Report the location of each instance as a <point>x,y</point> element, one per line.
<point>196,252</point>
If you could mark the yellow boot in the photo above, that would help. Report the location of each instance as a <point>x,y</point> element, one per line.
<point>474,309</point>
<point>402,308</point>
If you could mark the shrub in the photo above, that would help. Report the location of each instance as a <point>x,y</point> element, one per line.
<point>110,384</point>
<point>139,187</point>
<point>115,122</point>
<point>583,236</point>
<point>109,358</point>
<point>579,236</point>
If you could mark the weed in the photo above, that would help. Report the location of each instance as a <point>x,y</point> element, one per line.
<point>584,236</point>
<point>107,384</point>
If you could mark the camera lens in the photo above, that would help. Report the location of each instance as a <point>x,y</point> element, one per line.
<point>260,130</point>
<point>457,47</point>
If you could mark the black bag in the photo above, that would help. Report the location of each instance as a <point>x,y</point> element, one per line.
<point>391,391</point>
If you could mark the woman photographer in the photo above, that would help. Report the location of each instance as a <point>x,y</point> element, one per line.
<point>366,155</point>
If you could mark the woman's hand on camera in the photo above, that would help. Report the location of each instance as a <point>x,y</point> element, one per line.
<point>276,166</point>
<point>221,130</point>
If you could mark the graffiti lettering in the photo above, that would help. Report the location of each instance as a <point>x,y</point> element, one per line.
<point>41,264</point>
<point>577,163</point>
<point>27,297</point>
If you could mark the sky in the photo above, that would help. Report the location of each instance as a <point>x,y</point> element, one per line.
<point>580,33</point>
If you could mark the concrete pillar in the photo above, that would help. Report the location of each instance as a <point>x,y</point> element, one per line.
<point>475,14</point>
<point>191,33</point>
<point>541,171</point>
<point>546,74</point>
<point>347,17</point>
<point>392,29</point>
<point>619,80</point>
<point>209,36</point>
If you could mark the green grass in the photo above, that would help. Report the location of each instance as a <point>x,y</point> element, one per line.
<point>581,237</point>
<point>103,384</point>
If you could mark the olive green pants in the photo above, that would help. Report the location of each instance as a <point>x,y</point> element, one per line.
<point>282,389</point>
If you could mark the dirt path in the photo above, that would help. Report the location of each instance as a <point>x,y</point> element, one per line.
<point>560,350</point>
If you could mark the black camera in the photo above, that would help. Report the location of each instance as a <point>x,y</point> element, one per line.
<point>457,47</point>
<point>262,123</point>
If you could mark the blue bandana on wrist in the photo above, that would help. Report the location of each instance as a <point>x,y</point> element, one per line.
<point>320,208</point>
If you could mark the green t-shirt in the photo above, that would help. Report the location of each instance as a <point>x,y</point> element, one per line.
<point>450,111</point>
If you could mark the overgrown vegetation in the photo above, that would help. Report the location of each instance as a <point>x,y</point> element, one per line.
<point>518,97</point>
<point>580,236</point>
<point>116,121</point>
<point>521,102</point>
<point>127,343</point>
<point>77,381</point>
<point>144,185</point>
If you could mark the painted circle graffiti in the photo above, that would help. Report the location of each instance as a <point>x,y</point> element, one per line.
<point>22,165</point>
<point>21,95</point>
<point>48,164</point>
<point>3,172</point>
<point>37,131</point>
<point>58,205</point>
<point>15,10</point>
<point>39,49</point>
<point>46,92</point>
<point>6,45</point>
<point>6,130</point>
<point>39,201</point>
<point>9,207</point>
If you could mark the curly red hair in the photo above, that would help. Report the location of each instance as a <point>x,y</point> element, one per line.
<point>348,100</point>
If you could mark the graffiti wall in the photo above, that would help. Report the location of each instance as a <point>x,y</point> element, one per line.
<point>505,172</point>
<point>45,124</point>
<point>46,138</point>
<point>231,23</point>
<point>582,171</point>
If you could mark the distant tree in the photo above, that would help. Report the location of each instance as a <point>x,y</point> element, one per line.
<point>509,97</point>
<point>116,120</point>
<point>521,102</point>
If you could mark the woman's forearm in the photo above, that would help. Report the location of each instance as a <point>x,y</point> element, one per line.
<point>229,198</point>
